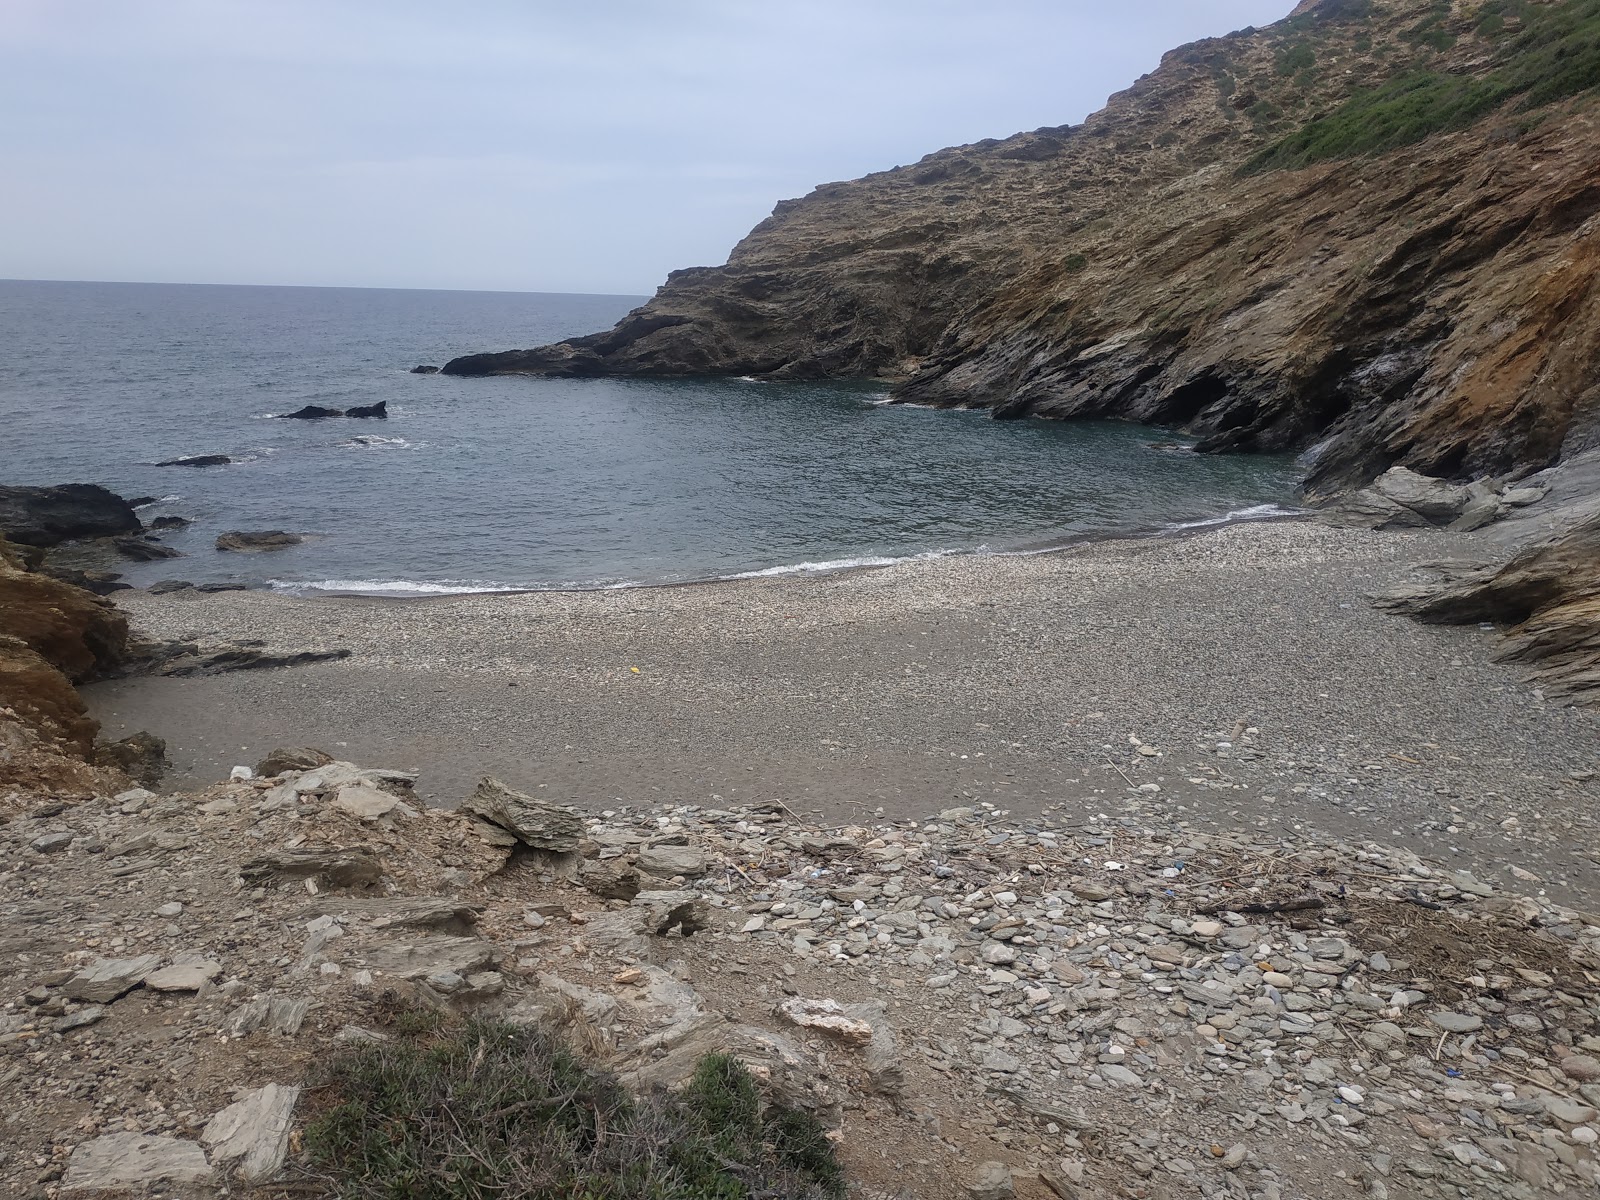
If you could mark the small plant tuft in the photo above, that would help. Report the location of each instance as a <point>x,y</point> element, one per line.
<point>485,1111</point>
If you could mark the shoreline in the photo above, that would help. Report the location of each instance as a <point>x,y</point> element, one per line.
<point>416,590</point>
<point>1244,658</point>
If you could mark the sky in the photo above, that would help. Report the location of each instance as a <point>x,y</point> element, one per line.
<point>516,145</point>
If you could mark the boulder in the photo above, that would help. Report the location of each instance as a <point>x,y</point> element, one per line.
<point>311,412</point>
<point>100,583</point>
<point>46,516</point>
<point>124,1160</point>
<point>171,522</point>
<point>142,757</point>
<point>252,1134</point>
<point>143,549</point>
<point>532,821</point>
<point>1434,500</point>
<point>258,542</point>
<point>379,410</point>
<point>1548,592</point>
<point>197,460</point>
<point>284,759</point>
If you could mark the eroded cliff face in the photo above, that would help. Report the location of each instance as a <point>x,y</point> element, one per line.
<point>1434,304</point>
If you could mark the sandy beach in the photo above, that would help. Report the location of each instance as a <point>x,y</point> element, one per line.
<point>1233,677</point>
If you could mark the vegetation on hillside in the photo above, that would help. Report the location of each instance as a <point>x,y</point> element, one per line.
<point>488,1110</point>
<point>1544,53</point>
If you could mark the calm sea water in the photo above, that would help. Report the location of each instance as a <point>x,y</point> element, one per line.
<point>516,482</point>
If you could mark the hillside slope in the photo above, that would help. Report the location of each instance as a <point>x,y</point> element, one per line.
<point>1367,229</point>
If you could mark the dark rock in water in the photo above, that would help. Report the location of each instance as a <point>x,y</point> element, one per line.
<point>220,587</point>
<point>143,501</point>
<point>101,583</point>
<point>141,757</point>
<point>46,516</point>
<point>424,369</point>
<point>380,409</point>
<point>197,460</point>
<point>164,586</point>
<point>311,412</point>
<point>259,542</point>
<point>298,758</point>
<point>171,522</point>
<point>143,549</point>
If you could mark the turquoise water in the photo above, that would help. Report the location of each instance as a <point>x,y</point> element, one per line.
<point>521,482</point>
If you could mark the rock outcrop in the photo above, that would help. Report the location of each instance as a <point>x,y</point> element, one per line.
<point>316,412</point>
<point>1256,243</point>
<point>48,516</point>
<point>52,635</point>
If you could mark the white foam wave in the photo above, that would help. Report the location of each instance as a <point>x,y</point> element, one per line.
<point>159,500</point>
<point>389,587</point>
<point>846,564</point>
<point>377,439</point>
<point>751,379</point>
<point>1256,512</point>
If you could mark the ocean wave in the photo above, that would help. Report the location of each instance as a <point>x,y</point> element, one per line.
<point>1256,512</point>
<point>751,379</point>
<point>159,500</point>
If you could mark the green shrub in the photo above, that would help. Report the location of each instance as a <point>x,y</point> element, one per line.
<point>1074,263</point>
<point>1298,57</point>
<point>489,1111</point>
<point>1557,55</point>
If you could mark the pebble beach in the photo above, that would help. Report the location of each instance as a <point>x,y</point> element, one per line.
<point>1236,677</point>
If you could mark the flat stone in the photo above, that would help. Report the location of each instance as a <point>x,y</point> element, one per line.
<point>991,1181</point>
<point>252,1134</point>
<point>431,956</point>
<point>52,843</point>
<point>1456,1022</point>
<point>120,1160</point>
<point>1117,1073</point>
<point>369,803</point>
<point>667,861</point>
<point>81,1019</point>
<point>103,980</point>
<point>186,975</point>
<point>829,1017</point>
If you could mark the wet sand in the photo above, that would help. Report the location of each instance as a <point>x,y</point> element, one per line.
<point>902,691</point>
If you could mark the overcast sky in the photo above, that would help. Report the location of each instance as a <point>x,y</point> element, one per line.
<point>528,145</point>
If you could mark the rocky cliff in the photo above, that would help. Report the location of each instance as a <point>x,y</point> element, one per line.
<point>1367,231</point>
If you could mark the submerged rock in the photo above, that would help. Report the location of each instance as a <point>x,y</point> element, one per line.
<point>380,409</point>
<point>424,369</point>
<point>197,460</point>
<point>259,542</point>
<point>311,412</point>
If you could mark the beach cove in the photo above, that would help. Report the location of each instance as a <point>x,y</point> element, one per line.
<point>1233,677</point>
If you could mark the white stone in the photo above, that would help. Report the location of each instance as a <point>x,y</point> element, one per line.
<point>120,1160</point>
<point>252,1135</point>
<point>241,774</point>
<point>185,975</point>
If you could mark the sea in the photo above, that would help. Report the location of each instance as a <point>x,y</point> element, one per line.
<point>525,483</point>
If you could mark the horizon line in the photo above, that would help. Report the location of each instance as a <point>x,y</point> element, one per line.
<point>331,287</point>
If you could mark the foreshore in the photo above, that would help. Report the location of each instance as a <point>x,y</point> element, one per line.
<point>1234,678</point>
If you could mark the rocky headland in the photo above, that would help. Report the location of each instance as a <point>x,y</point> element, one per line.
<point>1367,233</point>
